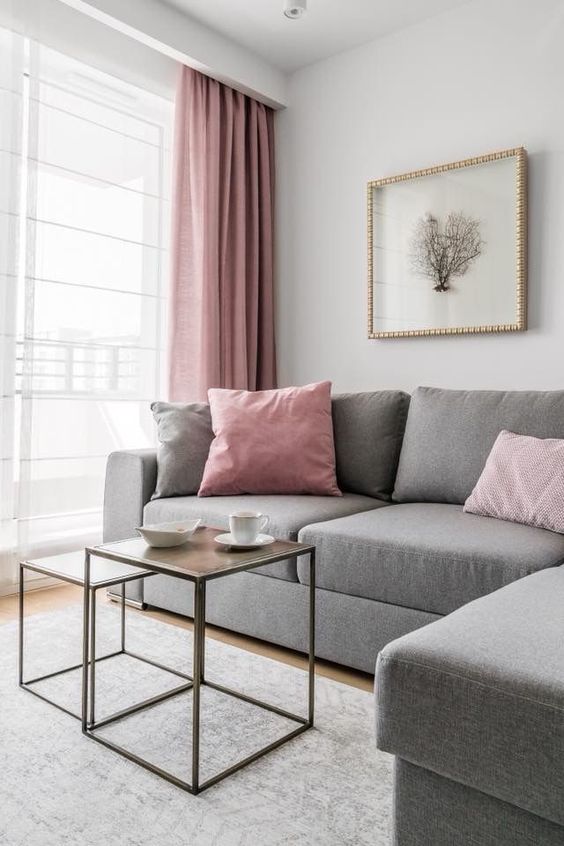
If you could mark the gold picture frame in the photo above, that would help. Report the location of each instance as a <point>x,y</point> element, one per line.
<point>384,326</point>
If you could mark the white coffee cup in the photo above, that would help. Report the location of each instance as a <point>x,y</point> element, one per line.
<point>246,525</point>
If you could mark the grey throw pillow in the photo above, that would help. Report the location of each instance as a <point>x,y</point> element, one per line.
<point>185,434</point>
<point>368,429</point>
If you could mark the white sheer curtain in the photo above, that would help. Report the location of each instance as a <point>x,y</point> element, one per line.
<point>84,158</point>
<point>11,85</point>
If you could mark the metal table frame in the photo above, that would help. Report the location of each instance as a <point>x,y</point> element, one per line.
<point>89,657</point>
<point>89,724</point>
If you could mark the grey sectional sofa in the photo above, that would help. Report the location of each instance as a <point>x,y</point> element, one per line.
<point>472,706</point>
<point>396,552</point>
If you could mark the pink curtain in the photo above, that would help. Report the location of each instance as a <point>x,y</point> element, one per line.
<point>222,310</point>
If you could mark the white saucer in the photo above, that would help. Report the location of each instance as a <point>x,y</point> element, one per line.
<point>260,540</point>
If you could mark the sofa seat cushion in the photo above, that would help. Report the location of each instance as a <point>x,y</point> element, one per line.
<point>428,556</point>
<point>288,514</point>
<point>478,696</point>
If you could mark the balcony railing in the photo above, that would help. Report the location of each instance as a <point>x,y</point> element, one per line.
<point>75,368</point>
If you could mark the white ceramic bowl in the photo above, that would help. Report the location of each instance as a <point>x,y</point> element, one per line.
<point>168,534</point>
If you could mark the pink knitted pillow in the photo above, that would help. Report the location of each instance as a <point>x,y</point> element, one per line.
<point>523,481</point>
<point>271,442</point>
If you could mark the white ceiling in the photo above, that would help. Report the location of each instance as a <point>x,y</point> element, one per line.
<point>328,27</point>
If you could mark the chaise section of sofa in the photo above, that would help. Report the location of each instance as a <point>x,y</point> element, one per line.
<point>430,810</point>
<point>473,708</point>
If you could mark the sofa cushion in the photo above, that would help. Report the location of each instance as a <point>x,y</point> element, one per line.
<point>523,481</point>
<point>287,515</point>
<point>185,434</point>
<point>271,442</point>
<point>449,435</point>
<point>479,695</point>
<point>368,430</point>
<point>429,556</point>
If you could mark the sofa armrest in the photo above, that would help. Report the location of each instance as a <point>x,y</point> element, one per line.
<point>131,478</point>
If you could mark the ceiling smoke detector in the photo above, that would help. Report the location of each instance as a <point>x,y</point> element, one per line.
<point>294,9</point>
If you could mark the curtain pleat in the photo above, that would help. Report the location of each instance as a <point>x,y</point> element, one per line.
<point>222,308</point>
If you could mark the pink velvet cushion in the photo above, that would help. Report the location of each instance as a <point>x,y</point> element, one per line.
<point>523,481</point>
<point>271,442</point>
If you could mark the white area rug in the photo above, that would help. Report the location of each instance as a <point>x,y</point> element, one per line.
<point>328,787</point>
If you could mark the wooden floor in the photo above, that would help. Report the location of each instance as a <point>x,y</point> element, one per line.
<point>51,599</point>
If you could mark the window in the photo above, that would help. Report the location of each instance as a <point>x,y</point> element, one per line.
<point>89,283</point>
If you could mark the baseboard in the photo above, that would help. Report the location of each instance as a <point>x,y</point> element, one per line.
<point>45,582</point>
<point>41,583</point>
<point>133,603</point>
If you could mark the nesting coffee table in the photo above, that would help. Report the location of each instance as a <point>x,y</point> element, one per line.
<point>69,568</point>
<point>199,561</point>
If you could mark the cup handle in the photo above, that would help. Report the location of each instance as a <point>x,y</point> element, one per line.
<point>264,523</point>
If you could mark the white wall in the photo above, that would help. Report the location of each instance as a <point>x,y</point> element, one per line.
<point>487,76</point>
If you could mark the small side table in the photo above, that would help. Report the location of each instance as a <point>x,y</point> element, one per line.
<point>200,562</point>
<point>70,568</point>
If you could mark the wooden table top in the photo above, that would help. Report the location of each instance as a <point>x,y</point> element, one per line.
<point>201,558</point>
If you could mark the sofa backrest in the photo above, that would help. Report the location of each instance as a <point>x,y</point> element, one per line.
<point>449,435</point>
<point>368,429</point>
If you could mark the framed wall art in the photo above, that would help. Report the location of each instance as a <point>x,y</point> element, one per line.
<point>447,249</point>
